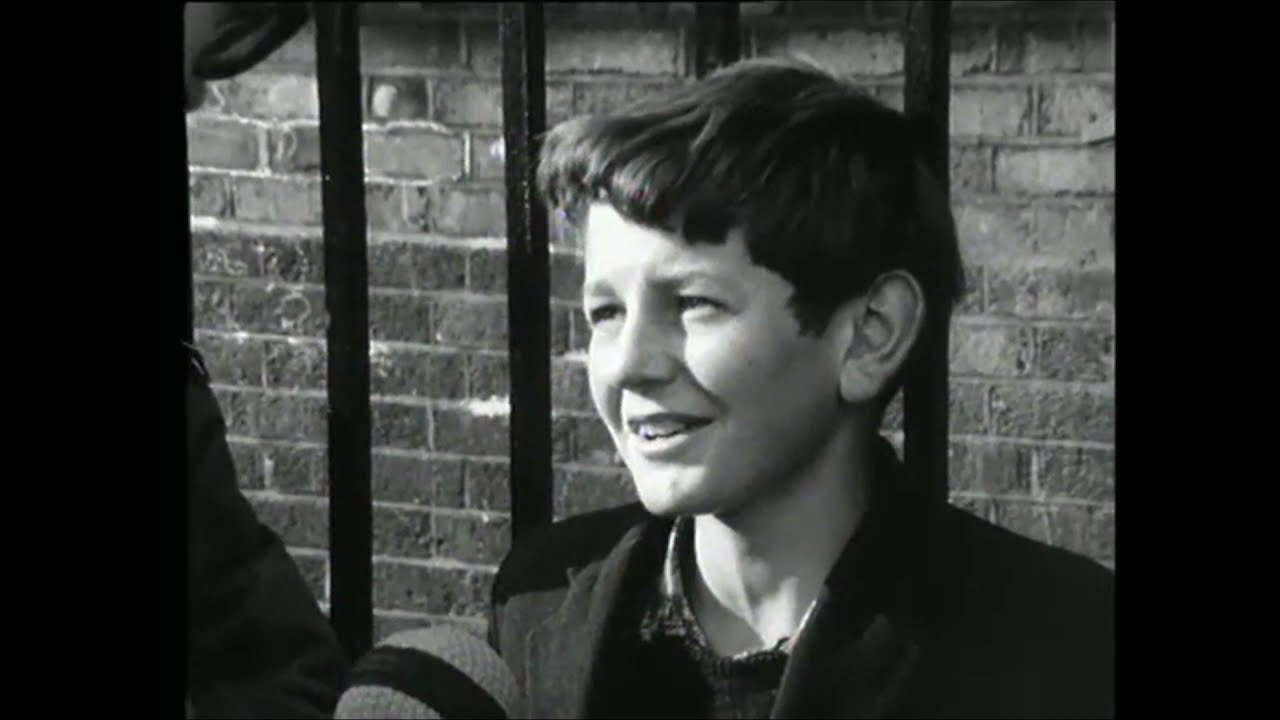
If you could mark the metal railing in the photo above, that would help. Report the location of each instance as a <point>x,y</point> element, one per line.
<point>717,32</point>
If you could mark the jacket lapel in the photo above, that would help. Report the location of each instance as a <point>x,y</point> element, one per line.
<point>869,626</point>
<point>569,646</point>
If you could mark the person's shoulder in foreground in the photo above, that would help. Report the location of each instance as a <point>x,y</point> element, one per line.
<point>258,643</point>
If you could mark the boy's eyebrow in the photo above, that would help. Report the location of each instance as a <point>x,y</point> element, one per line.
<point>666,278</point>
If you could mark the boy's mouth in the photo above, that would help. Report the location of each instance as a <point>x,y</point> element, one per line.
<point>659,426</point>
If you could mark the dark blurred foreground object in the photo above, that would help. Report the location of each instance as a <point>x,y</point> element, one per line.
<point>222,40</point>
<point>258,644</point>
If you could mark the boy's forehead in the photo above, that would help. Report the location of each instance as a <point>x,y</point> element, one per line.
<point>613,242</point>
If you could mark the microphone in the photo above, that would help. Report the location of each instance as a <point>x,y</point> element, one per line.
<point>430,673</point>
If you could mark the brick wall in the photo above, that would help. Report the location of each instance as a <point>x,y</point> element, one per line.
<point>1034,344</point>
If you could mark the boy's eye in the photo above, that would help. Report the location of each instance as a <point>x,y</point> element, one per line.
<point>603,313</point>
<point>693,302</point>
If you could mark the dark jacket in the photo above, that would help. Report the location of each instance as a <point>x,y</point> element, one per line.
<point>930,612</point>
<point>258,644</point>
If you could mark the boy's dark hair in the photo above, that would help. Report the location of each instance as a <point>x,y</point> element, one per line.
<point>825,181</point>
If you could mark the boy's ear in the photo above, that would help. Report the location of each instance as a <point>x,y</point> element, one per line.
<point>882,327</point>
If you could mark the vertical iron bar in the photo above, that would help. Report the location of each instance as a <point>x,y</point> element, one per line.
<point>927,96</point>
<point>522,33</point>
<point>717,36</point>
<point>346,282</point>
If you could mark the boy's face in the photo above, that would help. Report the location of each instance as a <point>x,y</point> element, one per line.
<point>698,367</point>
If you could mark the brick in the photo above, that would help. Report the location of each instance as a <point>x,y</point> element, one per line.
<point>563,432</point>
<point>414,373</point>
<point>459,431</point>
<point>396,97</point>
<point>1053,413</point>
<point>1082,237</point>
<point>566,278</point>
<point>1003,469</point>
<point>285,201</point>
<point>293,417</point>
<point>416,153</point>
<point>973,50</point>
<point>570,387</point>
<point>1048,293</point>
<point>426,45</point>
<point>415,266</point>
<point>222,143</point>
<point>599,97</point>
<point>384,206</point>
<point>459,212</point>
<point>971,301</point>
<point>848,51</point>
<point>399,426</point>
<point>293,259</point>
<point>480,324</point>
<point>399,317</point>
<point>209,195</point>
<point>270,96</point>
<point>403,532</point>
<point>1066,109</point>
<point>489,485</point>
<point>488,376</point>
<point>228,255</point>
<point>1040,48</point>
<point>968,403</point>
<point>487,272</point>
<point>991,350</point>
<point>595,445</point>
<point>239,411</point>
<point>993,234</point>
<point>971,169</point>
<point>214,304</point>
<point>582,491</point>
<point>1056,171</point>
<point>1081,354</point>
<point>300,523</point>
<point>295,149</point>
<point>293,365</point>
<point>962,466</point>
<point>467,102</point>
<point>1029,519</point>
<point>416,480</point>
<point>426,589</point>
<point>638,52</point>
<point>1078,473</point>
<point>472,539</point>
<point>281,310</point>
<point>579,332</point>
<point>561,320</point>
<point>1099,50</point>
<point>487,155</point>
<point>248,464</point>
<point>998,112</point>
<point>315,572</point>
<point>1082,529</point>
<point>294,470</point>
<point>231,360</point>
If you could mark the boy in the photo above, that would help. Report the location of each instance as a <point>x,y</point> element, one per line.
<point>761,249</point>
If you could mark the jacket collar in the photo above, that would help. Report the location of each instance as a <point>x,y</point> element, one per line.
<point>860,644</point>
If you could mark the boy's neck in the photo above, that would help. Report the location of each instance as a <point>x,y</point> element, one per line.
<point>759,570</point>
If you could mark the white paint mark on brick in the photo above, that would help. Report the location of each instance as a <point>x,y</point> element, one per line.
<point>493,406</point>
